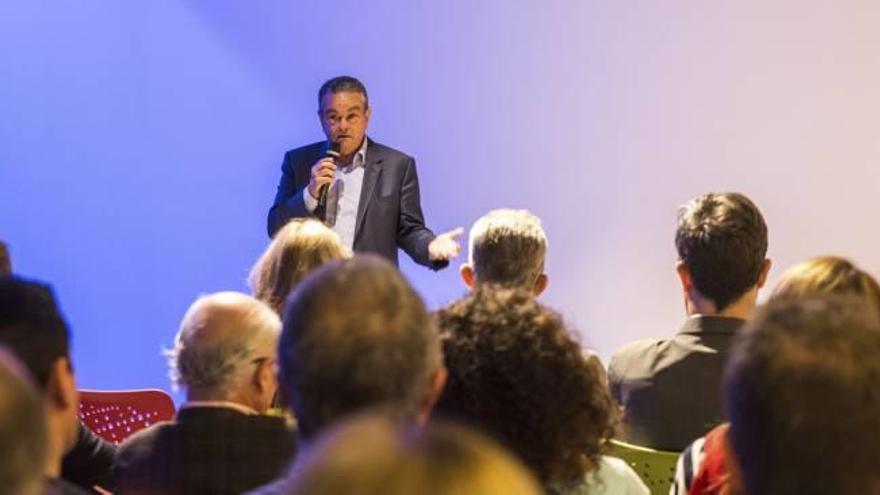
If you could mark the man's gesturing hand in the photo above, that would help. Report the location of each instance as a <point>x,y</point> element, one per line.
<point>323,172</point>
<point>445,246</point>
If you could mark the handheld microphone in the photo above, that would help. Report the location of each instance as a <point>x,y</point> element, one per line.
<point>321,210</point>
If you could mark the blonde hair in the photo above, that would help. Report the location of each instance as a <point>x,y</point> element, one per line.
<point>371,454</point>
<point>828,274</point>
<point>298,248</point>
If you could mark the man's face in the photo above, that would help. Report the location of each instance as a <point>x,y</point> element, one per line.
<point>344,118</point>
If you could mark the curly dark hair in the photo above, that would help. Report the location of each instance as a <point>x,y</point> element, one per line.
<point>516,373</point>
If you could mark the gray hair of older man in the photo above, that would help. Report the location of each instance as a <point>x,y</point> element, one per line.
<point>507,248</point>
<point>220,337</point>
<point>23,435</point>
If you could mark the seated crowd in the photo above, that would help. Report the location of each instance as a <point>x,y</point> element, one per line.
<point>334,378</point>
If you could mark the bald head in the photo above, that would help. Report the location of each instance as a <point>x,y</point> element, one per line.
<point>224,339</point>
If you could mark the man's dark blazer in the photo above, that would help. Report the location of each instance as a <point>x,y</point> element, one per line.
<point>670,389</point>
<point>213,450</point>
<point>389,211</point>
<point>90,460</point>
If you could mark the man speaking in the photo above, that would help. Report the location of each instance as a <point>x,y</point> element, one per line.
<point>366,192</point>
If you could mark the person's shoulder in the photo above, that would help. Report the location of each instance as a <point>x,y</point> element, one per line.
<point>387,153</point>
<point>274,427</point>
<point>315,147</point>
<point>308,153</point>
<point>634,359</point>
<point>142,441</point>
<point>620,475</point>
<point>636,349</point>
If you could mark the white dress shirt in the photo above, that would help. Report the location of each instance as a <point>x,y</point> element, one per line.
<point>343,197</point>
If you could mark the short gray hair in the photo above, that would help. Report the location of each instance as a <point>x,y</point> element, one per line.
<point>220,335</point>
<point>508,248</point>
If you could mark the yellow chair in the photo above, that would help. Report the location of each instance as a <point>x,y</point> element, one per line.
<point>655,467</point>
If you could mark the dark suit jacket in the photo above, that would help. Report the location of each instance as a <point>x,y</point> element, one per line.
<point>670,389</point>
<point>89,462</point>
<point>389,211</point>
<point>205,450</point>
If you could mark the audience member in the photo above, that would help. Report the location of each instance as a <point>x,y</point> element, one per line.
<point>88,462</point>
<point>507,248</point>
<point>703,467</point>
<point>224,356</point>
<point>371,455</point>
<point>33,329</point>
<point>5,260</point>
<point>356,336</point>
<point>828,274</point>
<point>802,391</point>
<point>516,374</point>
<point>670,388</point>
<point>23,438</point>
<point>298,248</point>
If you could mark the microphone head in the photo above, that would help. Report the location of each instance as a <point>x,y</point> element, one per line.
<point>334,149</point>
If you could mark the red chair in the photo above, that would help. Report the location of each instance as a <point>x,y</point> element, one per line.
<point>116,415</point>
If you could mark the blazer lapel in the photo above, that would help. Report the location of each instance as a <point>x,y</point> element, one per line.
<point>373,169</point>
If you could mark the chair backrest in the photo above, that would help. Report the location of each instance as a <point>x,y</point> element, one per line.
<point>116,415</point>
<point>656,468</point>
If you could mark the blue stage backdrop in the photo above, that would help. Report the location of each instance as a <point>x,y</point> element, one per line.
<point>140,141</point>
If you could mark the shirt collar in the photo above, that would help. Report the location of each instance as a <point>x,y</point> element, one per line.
<point>711,324</point>
<point>360,158</point>
<point>220,403</point>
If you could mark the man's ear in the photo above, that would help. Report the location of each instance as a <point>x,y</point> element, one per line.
<point>684,275</point>
<point>265,381</point>
<point>61,393</point>
<point>541,284</point>
<point>436,382</point>
<point>265,378</point>
<point>765,270</point>
<point>467,275</point>
<point>368,113</point>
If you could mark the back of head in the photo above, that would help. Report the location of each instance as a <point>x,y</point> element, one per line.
<point>802,391</point>
<point>23,437</point>
<point>516,374</point>
<point>298,248</point>
<point>356,335</point>
<point>722,240</point>
<point>5,260</point>
<point>31,326</point>
<point>220,338</point>
<point>831,275</point>
<point>370,455</point>
<point>508,248</point>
